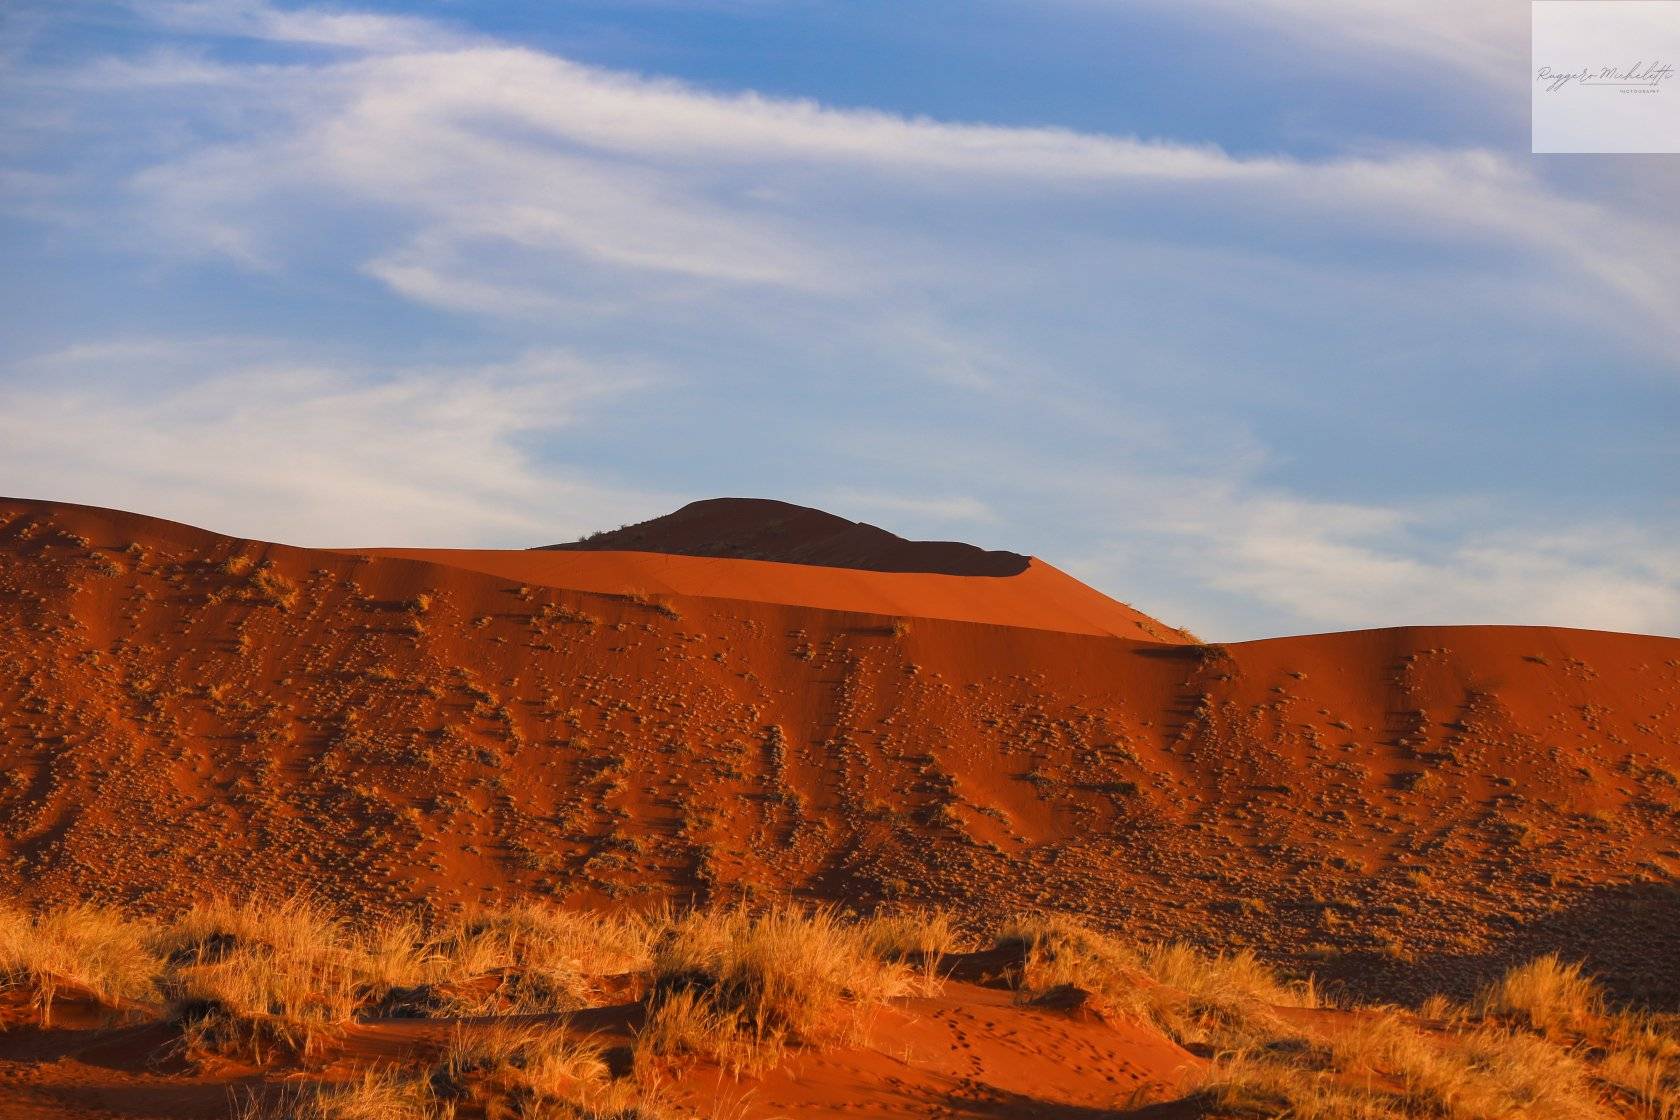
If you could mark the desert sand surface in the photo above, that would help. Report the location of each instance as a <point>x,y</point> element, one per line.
<point>1038,598</point>
<point>416,735</point>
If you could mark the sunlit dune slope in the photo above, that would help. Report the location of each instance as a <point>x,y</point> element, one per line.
<point>185,712</point>
<point>1040,596</point>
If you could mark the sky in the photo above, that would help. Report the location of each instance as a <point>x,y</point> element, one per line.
<point>1257,315</point>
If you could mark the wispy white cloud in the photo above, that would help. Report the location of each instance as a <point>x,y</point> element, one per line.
<point>311,26</point>
<point>1303,563</point>
<point>1217,548</point>
<point>218,433</point>
<point>1486,40</point>
<point>497,169</point>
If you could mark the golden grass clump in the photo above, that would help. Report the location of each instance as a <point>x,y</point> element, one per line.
<point>919,938</point>
<point>738,987</point>
<point>542,958</point>
<point>1487,1072</point>
<point>1224,1000</point>
<point>1544,994</point>
<point>379,1094</point>
<point>1240,1084</point>
<point>1380,1068</point>
<point>275,979</point>
<point>96,950</point>
<point>499,1073</point>
<point>526,1071</point>
<point>258,976</point>
<point>1642,1062</point>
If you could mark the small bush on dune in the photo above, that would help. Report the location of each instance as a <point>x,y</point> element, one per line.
<point>379,1094</point>
<point>93,949</point>
<point>258,977</point>
<point>919,938</point>
<point>520,1071</point>
<point>545,956</point>
<point>1223,999</point>
<point>1544,995</point>
<point>786,976</point>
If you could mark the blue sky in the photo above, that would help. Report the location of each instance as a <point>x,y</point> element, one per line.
<point>1257,315</point>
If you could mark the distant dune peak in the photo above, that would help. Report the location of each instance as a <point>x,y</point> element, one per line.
<point>765,529</point>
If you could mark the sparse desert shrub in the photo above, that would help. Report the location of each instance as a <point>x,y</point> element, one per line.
<point>785,976</point>
<point>1545,994</point>
<point>1225,999</point>
<point>91,948</point>
<point>543,956</point>
<point>919,938</point>
<point>519,1071</point>
<point>659,604</point>
<point>269,586</point>
<point>258,976</point>
<point>379,1094</point>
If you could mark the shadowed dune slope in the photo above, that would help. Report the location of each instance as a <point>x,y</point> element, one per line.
<point>761,529</point>
<point>1396,809</point>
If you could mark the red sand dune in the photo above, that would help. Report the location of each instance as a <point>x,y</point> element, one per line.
<point>1398,810</point>
<point>773,552</point>
<point>514,736</point>
<point>1039,597</point>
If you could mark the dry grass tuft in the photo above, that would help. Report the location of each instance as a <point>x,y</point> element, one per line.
<point>1642,1062</point>
<point>919,938</point>
<point>1223,1000</point>
<point>95,950</point>
<point>523,1071</point>
<point>543,958</point>
<point>379,1094</point>
<point>264,980</point>
<point>756,983</point>
<point>258,977</point>
<point>1544,994</point>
